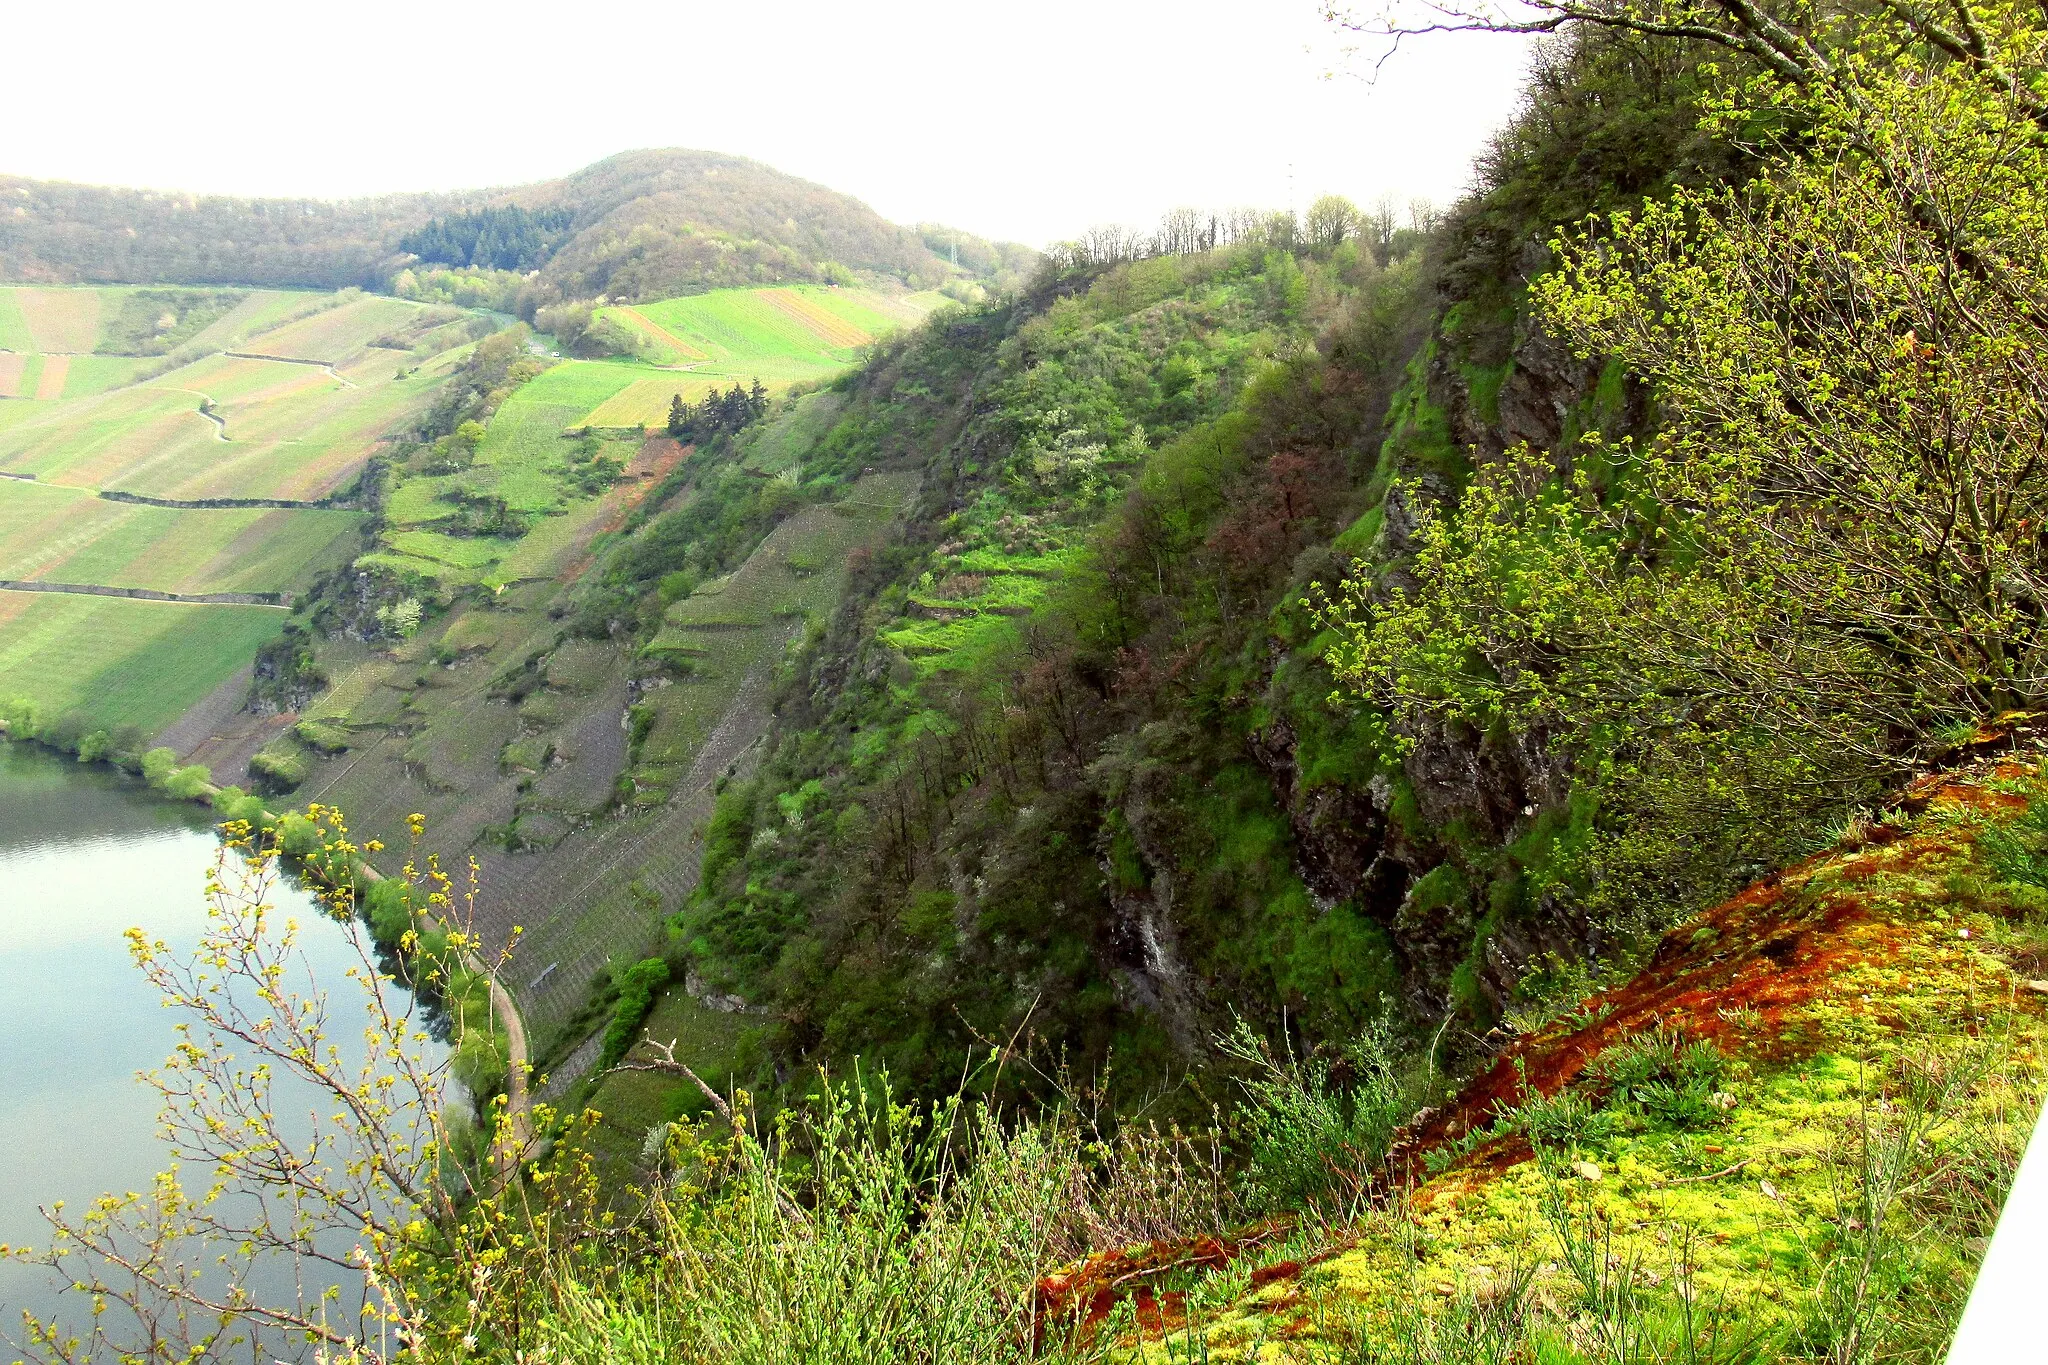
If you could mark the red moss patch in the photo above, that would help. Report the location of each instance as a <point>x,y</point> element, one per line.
<point>1083,1295</point>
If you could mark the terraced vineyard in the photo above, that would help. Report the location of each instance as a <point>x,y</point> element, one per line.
<point>238,396</point>
<point>507,732</point>
<point>708,341</point>
<point>438,726</point>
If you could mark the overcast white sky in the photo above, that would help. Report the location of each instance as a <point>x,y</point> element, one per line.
<point>1024,121</point>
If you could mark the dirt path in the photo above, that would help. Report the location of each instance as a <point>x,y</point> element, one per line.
<point>518,1103</point>
<point>220,423</point>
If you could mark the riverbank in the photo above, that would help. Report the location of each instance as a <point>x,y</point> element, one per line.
<point>298,837</point>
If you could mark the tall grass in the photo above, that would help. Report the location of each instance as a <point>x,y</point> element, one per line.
<point>858,1231</point>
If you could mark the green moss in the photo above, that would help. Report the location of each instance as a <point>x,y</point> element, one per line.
<point>1483,385</point>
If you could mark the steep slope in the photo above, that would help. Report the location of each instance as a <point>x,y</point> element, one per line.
<point>1074,756</point>
<point>1786,1138</point>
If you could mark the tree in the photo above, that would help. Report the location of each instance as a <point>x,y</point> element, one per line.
<point>378,1187</point>
<point>1828,561</point>
<point>1331,221</point>
<point>1377,226</point>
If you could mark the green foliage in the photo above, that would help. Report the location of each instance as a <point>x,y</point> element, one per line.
<point>864,1231</point>
<point>158,321</point>
<point>636,985</point>
<point>188,783</point>
<point>2017,850</point>
<point>277,771</point>
<point>1319,1126</point>
<point>158,765</point>
<point>388,904</point>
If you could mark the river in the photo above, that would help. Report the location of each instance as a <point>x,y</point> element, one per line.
<point>85,853</point>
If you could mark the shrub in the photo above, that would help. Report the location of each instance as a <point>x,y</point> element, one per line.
<point>388,905</point>
<point>322,736</point>
<point>277,771</point>
<point>22,717</point>
<point>297,835</point>
<point>637,985</point>
<point>158,765</point>
<point>479,1063</point>
<point>188,783</point>
<point>1315,1142</point>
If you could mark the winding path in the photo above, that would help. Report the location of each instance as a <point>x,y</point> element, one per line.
<point>518,1103</point>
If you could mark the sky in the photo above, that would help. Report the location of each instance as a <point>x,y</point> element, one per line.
<point>1027,122</point>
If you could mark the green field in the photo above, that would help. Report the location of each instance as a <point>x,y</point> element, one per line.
<point>123,662</point>
<point>198,424</point>
<point>782,336</point>
<point>794,332</point>
<point>276,394</point>
<point>64,535</point>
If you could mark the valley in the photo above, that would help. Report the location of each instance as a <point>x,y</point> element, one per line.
<point>1314,785</point>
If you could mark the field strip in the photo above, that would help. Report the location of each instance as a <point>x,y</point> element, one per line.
<point>280,601</point>
<point>326,365</point>
<point>11,365</point>
<point>220,424</point>
<point>665,336</point>
<point>56,369</point>
<point>828,328</point>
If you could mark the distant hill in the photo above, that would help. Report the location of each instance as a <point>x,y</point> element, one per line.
<point>637,226</point>
<point>57,233</point>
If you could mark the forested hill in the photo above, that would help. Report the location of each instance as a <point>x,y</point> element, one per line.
<point>641,225</point>
<point>52,232</point>
<point>649,224</point>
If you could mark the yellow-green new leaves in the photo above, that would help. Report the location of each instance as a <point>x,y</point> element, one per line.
<point>1836,536</point>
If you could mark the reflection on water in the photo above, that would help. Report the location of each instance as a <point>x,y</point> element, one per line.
<point>84,855</point>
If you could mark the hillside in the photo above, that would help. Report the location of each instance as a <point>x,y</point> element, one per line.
<point>638,226</point>
<point>176,465</point>
<point>652,224</point>
<point>1284,790</point>
<point>1787,1135</point>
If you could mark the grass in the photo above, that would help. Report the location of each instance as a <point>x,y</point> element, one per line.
<point>787,332</point>
<point>524,456</point>
<point>635,1104</point>
<point>123,662</point>
<point>1786,1138</point>
<point>780,336</point>
<point>68,536</point>
<point>14,332</point>
<point>971,613</point>
<point>1868,1062</point>
<point>87,375</point>
<point>57,319</point>
<point>294,431</point>
<point>779,443</point>
<point>645,402</point>
<point>332,335</point>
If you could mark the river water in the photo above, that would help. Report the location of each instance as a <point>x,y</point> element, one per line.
<point>85,853</point>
